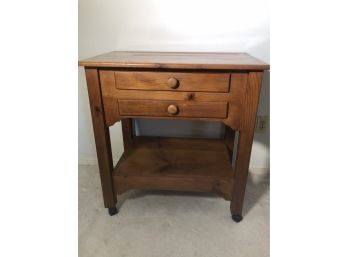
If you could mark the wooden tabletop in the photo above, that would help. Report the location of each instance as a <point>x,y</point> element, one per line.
<point>176,60</point>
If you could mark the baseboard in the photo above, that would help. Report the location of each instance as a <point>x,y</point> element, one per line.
<point>86,161</point>
<point>257,174</point>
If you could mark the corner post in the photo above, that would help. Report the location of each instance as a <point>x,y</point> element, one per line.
<point>127,133</point>
<point>102,137</point>
<point>245,141</point>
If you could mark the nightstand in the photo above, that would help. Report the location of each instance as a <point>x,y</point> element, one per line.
<point>222,87</point>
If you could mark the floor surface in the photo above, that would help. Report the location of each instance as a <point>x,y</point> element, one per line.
<point>169,224</point>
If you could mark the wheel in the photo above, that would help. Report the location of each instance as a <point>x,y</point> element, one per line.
<point>237,218</point>
<point>113,211</point>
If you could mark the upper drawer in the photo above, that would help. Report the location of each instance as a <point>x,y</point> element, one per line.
<point>176,81</point>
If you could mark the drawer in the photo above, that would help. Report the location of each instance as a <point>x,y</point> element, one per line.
<point>172,108</point>
<point>174,81</point>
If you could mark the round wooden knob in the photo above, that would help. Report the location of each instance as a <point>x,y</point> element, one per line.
<point>173,82</point>
<point>173,109</point>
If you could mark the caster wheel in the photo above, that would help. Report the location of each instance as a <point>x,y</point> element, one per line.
<point>237,218</point>
<point>113,211</point>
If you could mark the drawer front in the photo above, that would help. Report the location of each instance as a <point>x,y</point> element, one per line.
<point>172,108</point>
<point>173,81</point>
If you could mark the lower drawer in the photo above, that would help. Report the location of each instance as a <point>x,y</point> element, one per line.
<point>172,108</point>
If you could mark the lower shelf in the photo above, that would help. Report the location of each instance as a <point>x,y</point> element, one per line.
<point>201,165</point>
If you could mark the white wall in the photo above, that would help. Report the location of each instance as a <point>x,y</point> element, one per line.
<point>157,25</point>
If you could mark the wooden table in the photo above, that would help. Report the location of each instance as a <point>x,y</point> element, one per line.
<point>221,87</point>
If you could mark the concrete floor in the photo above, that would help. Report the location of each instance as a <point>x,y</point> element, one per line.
<point>164,223</point>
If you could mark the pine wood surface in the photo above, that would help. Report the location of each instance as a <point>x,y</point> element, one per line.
<point>172,108</point>
<point>176,60</point>
<point>173,81</point>
<point>176,164</point>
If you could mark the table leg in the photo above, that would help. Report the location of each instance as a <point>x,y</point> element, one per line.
<point>102,139</point>
<point>229,140</point>
<point>127,133</point>
<point>245,141</point>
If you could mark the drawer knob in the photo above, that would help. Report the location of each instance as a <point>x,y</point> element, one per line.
<point>173,83</point>
<point>173,109</point>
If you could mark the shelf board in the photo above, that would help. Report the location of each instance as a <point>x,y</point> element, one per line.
<point>201,165</point>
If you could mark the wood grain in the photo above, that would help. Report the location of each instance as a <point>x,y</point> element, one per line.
<point>229,140</point>
<point>221,87</point>
<point>173,81</point>
<point>101,136</point>
<point>127,133</point>
<point>173,60</point>
<point>162,108</point>
<point>245,141</point>
<point>175,164</point>
<point>111,94</point>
